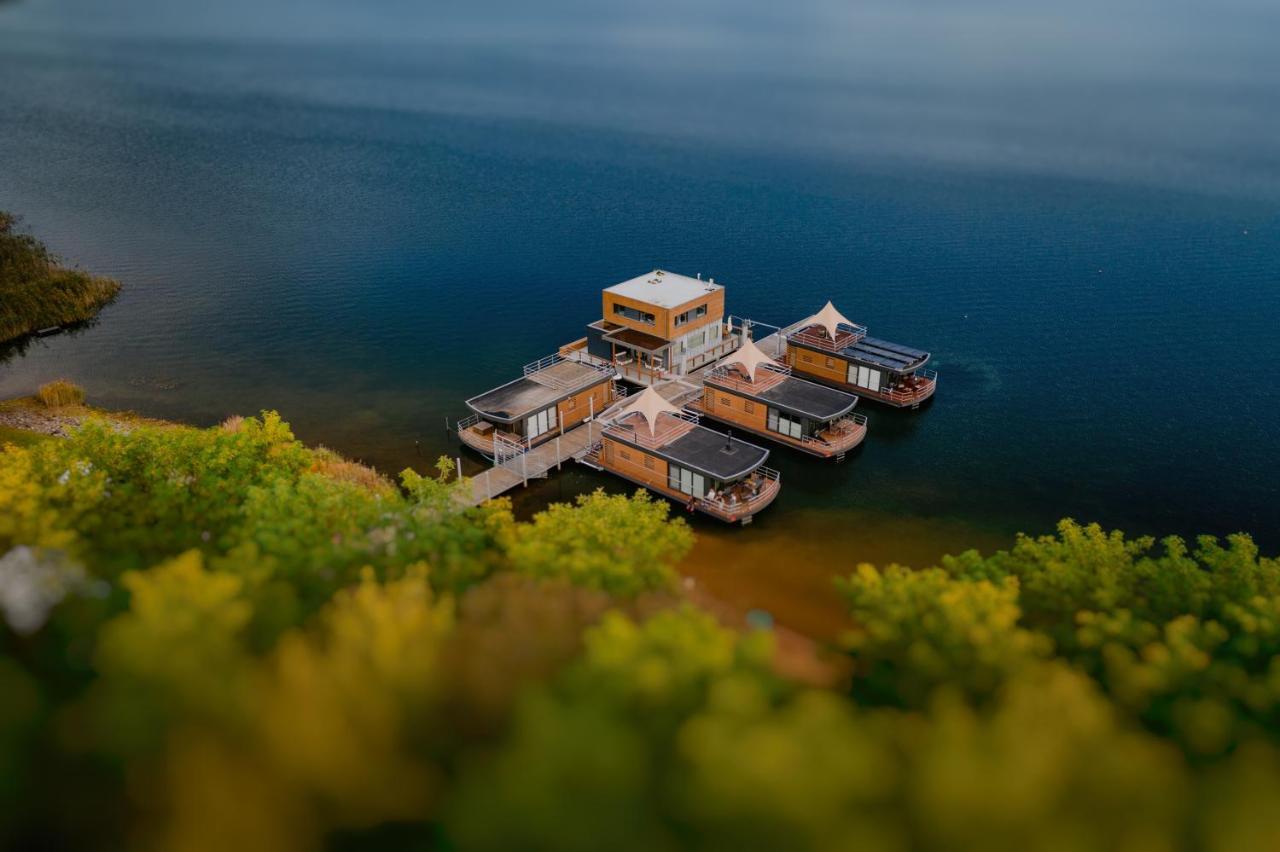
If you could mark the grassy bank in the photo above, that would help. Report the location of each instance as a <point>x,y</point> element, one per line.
<point>37,292</point>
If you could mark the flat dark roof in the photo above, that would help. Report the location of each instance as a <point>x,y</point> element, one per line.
<point>703,450</point>
<point>808,399</point>
<point>638,339</point>
<point>508,403</point>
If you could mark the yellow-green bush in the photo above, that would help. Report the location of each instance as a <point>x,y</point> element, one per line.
<point>243,644</point>
<point>60,392</point>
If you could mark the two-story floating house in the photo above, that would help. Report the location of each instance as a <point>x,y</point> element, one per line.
<point>751,391</point>
<point>654,444</point>
<point>657,326</point>
<point>552,396</point>
<point>830,349</point>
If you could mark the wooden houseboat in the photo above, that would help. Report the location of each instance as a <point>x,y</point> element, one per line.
<point>751,391</point>
<point>656,327</point>
<point>654,444</point>
<point>830,349</point>
<point>554,395</point>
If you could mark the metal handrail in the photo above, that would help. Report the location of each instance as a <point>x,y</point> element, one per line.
<point>467,421</point>
<point>771,482</point>
<point>642,436</point>
<point>506,448</point>
<point>724,375</point>
<point>542,363</point>
<point>929,376</point>
<point>848,423</point>
<point>826,344</point>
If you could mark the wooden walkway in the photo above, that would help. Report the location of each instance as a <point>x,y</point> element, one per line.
<point>535,463</point>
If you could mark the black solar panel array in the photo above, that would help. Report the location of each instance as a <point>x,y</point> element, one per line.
<point>891,356</point>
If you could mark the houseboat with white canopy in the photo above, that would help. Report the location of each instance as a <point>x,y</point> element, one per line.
<point>831,349</point>
<point>554,395</point>
<point>654,444</point>
<point>751,391</point>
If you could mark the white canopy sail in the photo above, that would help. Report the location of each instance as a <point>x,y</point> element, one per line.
<point>829,318</point>
<point>749,357</point>
<point>649,405</point>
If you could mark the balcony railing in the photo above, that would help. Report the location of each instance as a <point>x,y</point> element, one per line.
<point>729,377</point>
<point>666,431</point>
<point>745,497</point>
<point>915,388</point>
<point>541,372</point>
<point>817,337</point>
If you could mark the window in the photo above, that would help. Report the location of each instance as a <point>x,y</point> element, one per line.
<point>698,338</point>
<point>695,313</point>
<point>633,314</point>
<point>831,364</point>
<point>686,481</point>
<point>785,424</point>
<point>806,357</point>
<point>724,400</point>
<point>572,403</point>
<point>648,462</point>
<point>749,407</point>
<point>625,455</point>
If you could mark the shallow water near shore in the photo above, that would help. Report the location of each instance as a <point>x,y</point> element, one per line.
<point>363,221</point>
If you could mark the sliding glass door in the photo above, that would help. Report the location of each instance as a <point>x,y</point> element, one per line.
<point>541,423</point>
<point>864,377</point>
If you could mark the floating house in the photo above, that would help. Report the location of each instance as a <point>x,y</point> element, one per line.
<point>830,349</point>
<point>554,395</point>
<point>654,444</point>
<point>656,327</point>
<point>751,391</point>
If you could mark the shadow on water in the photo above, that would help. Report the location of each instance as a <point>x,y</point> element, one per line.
<point>18,347</point>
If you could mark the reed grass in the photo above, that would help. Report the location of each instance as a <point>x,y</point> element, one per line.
<point>59,393</point>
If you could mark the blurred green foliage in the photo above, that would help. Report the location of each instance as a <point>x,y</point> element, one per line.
<point>1183,641</point>
<point>223,639</point>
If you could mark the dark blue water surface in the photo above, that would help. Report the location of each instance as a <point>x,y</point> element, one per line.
<point>362,214</point>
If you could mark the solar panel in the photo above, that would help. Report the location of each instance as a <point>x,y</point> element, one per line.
<point>907,351</point>
<point>882,353</point>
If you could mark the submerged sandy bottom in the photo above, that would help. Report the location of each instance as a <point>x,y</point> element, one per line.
<point>787,569</point>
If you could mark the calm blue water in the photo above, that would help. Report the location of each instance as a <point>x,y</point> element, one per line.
<point>361,216</point>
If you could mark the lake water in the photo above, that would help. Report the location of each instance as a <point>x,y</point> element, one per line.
<point>361,214</point>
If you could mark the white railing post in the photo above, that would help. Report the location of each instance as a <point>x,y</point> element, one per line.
<point>524,468</point>
<point>557,452</point>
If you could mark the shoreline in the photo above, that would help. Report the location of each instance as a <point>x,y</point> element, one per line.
<point>800,654</point>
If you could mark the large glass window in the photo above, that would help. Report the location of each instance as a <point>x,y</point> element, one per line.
<point>785,424</point>
<point>633,314</point>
